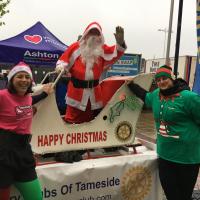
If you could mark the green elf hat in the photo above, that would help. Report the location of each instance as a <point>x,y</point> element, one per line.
<point>164,70</point>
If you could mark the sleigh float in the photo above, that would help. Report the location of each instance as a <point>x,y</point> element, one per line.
<point>113,126</point>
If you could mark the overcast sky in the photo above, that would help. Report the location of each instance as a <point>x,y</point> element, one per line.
<point>141,19</point>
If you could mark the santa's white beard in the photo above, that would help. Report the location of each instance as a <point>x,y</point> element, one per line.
<point>91,49</point>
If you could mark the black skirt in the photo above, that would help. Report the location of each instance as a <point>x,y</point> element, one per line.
<point>17,162</point>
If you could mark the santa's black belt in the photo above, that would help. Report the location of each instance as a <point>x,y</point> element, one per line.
<point>77,83</point>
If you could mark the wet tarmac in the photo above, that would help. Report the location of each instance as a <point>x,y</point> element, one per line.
<point>145,127</point>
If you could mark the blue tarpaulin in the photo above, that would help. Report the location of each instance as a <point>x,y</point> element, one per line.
<point>36,45</point>
<point>196,85</point>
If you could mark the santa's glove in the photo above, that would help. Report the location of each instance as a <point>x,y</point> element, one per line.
<point>119,36</point>
<point>137,90</point>
<point>59,68</point>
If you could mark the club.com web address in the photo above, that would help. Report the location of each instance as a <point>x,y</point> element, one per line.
<point>104,197</point>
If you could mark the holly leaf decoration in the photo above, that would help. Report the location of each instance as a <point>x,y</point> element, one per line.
<point>116,110</point>
<point>132,103</point>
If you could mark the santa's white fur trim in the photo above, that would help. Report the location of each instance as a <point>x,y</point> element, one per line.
<point>93,25</point>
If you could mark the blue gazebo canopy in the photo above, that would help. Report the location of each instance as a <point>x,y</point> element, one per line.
<point>36,45</point>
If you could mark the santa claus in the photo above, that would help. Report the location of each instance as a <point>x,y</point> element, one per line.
<point>86,60</point>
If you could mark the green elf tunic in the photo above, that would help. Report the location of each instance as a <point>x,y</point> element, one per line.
<point>177,120</point>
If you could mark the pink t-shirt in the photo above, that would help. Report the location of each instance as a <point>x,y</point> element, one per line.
<point>15,112</point>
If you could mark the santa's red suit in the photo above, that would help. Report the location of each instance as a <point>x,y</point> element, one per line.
<point>84,93</point>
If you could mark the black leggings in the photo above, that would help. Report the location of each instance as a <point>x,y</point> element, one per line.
<point>177,180</point>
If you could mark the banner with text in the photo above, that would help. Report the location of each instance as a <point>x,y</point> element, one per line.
<point>131,177</point>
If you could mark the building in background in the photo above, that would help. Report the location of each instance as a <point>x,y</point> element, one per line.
<point>186,67</point>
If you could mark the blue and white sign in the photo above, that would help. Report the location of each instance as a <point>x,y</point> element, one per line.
<point>128,65</point>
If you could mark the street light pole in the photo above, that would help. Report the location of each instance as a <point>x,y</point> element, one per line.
<point>167,60</point>
<point>169,31</point>
<point>165,32</point>
<point>168,42</point>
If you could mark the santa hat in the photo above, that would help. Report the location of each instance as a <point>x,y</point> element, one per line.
<point>164,70</point>
<point>20,67</point>
<point>93,25</point>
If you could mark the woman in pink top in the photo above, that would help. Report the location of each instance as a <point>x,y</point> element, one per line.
<point>17,164</point>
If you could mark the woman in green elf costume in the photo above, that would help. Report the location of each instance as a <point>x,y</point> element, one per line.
<point>176,111</point>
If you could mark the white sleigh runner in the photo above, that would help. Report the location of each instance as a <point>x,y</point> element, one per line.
<point>113,126</point>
